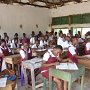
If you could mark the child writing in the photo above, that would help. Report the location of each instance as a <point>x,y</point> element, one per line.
<point>51,58</point>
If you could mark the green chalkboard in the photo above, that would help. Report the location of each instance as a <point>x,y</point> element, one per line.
<point>60,20</point>
<point>86,18</point>
<point>65,20</point>
<point>76,19</point>
<point>56,21</point>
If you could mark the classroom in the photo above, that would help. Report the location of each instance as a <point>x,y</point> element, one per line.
<point>44,44</point>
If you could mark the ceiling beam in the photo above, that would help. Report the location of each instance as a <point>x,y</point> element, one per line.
<point>58,3</point>
<point>22,3</point>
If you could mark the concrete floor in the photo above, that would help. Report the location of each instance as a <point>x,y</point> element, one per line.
<point>75,85</point>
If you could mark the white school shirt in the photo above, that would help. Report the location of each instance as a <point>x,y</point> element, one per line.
<point>34,46</point>
<point>23,54</point>
<point>80,40</point>
<point>72,50</point>
<point>46,42</point>
<point>88,46</point>
<point>41,43</point>
<point>32,40</point>
<point>47,55</point>
<point>68,34</point>
<point>50,38</point>
<point>66,44</point>
<point>12,45</point>
<point>4,48</point>
<point>60,41</point>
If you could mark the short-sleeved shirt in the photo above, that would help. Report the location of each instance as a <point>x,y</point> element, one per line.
<point>80,40</point>
<point>66,44</point>
<point>12,45</point>
<point>23,54</point>
<point>32,40</point>
<point>72,50</point>
<point>4,48</point>
<point>60,41</point>
<point>41,42</point>
<point>47,55</point>
<point>45,42</point>
<point>34,46</point>
<point>88,46</point>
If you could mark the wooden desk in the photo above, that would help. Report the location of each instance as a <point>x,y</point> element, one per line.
<point>8,86</point>
<point>67,75</point>
<point>15,50</point>
<point>85,62</point>
<point>32,64</point>
<point>12,59</point>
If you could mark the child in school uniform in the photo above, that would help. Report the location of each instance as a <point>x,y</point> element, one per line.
<point>87,48</point>
<point>4,51</point>
<point>72,50</point>
<point>26,54</point>
<point>41,45</point>
<point>14,44</point>
<point>60,39</point>
<point>51,58</point>
<point>46,41</point>
<point>35,45</point>
<point>67,42</point>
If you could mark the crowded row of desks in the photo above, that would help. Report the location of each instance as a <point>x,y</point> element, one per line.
<point>37,62</point>
<point>59,50</point>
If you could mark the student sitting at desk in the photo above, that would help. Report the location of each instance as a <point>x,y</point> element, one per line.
<point>51,58</point>
<point>35,45</point>
<point>14,44</point>
<point>67,42</point>
<point>26,54</point>
<point>4,51</point>
<point>72,51</point>
<point>41,45</point>
<point>87,47</point>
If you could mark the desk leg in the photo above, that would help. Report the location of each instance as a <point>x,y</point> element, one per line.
<point>69,85</point>
<point>33,79</point>
<point>82,80</point>
<point>50,82</point>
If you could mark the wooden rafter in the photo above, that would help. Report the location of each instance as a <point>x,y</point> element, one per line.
<point>48,3</point>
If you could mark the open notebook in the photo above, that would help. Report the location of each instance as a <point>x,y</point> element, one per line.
<point>67,66</point>
<point>3,82</point>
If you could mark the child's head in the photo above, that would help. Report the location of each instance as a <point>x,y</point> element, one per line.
<point>74,40</point>
<point>46,37</point>
<point>37,42</point>
<point>3,42</point>
<point>24,34</point>
<point>57,50</point>
<point>25,45</point>
<point>67,38</point>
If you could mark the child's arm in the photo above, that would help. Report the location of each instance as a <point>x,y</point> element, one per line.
<point>48,65</point>
<point>1,55</point>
